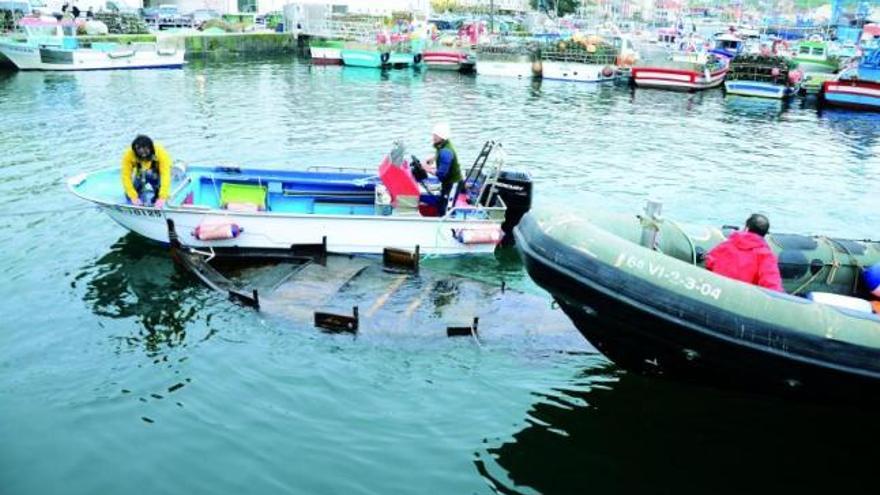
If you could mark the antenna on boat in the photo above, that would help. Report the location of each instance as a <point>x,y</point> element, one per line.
<point>651,224</point>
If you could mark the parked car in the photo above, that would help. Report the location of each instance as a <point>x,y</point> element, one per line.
<point>170,17</point>
<point>118,7</point>
<point>201,16</point>
<point>150,16</point>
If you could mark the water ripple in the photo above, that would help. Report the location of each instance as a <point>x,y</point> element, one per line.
<point>119,360</point>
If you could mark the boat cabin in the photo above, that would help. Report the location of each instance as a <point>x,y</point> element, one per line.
<point>46,27</point>
<point>667,35</point>
<point>869,67</point>
<point>729,44</point>
<point>47,31</point>
<point>812,49</point>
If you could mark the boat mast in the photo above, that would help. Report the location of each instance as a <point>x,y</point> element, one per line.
<point>491,16</point>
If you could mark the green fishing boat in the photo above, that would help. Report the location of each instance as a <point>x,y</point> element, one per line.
<point>326,52</point>
<point>813,56</point>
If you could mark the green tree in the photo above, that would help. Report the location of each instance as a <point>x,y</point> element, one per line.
<point>564,6</point>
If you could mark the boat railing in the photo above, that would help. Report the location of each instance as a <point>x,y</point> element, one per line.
<point>759,74</point>
<point>334,168</point>
<point>484,174</point>
<point>579,57</point>
<point>469,212</point>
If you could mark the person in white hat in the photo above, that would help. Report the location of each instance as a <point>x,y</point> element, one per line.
<point>444,164</point>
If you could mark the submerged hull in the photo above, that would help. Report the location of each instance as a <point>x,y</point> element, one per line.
<point>655,315</point>
<point>677,79</point>
<point>758,89</point>
<point>856,94</point>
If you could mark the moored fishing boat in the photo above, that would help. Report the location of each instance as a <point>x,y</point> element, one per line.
<point>512,65</point>
<point>762,76</point>
<point>587,59</point>
<point>508,57</point>
<point>51,45</point>
<point>354,211</point>
<point>400,54</point>
<point>450,58</point>
<point>656,310</point>
<point>699,73</point>
<point>813,56</point>
<point>356,54</point>
<point>326,52</point>
<point>857,87</point>
<point>728,45</point>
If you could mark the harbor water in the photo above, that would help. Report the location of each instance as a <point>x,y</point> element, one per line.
<point>121,373</point>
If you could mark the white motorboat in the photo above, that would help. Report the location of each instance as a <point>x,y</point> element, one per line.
<point>52,45</point>
<point>354,212</point>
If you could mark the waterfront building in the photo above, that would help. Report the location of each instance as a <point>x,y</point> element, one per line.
<point>500,6</point>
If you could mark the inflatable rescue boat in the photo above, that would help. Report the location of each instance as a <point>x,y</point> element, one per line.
<point>636,288</point>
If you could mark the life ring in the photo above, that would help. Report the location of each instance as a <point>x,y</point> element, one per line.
<point>607,71</point>
<point>417,59</point>
<point>384,57</point>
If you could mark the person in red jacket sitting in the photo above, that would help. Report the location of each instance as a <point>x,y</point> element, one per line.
<point>745,256</point>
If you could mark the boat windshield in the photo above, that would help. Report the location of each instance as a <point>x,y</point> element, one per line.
<point>49,30</point>
<point>41,31</point>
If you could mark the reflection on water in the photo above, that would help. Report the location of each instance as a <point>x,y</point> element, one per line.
<point>384,407</point>
<point>674,100</point>
<point>633,434</point>
<point>859,130</point>
<point>137,279</point>
<point>755,108</point>
<point>361,75</point>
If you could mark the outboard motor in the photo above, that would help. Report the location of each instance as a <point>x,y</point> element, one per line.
<point>515,188</point>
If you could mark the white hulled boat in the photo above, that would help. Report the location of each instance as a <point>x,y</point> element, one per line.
<point>52,45</point>
<point>221,207</point>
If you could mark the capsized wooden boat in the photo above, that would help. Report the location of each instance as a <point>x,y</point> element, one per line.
<point>367,295</point>
<point>221,207</point>
<point>658,311</point>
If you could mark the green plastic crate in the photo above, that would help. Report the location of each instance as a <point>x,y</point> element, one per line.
<point>243,193</point>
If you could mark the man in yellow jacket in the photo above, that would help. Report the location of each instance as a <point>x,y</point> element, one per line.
<point>146,162</point>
